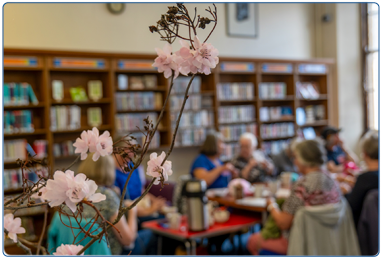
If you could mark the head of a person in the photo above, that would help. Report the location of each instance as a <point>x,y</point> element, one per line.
<point>309,155</point>
<point>370,145</point>
<point>101,171</point>
<point>213,145</point>
<point>248,144</point>
<point>331,136</point>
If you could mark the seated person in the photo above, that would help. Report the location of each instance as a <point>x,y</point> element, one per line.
<point>366,181</point>
<point>283,161</point>
<point>310,157</point>
<point>150,205</point>
<point>252,164</point>
<point>128,239</point>
<point>208,167</point>
<point>337,153</point>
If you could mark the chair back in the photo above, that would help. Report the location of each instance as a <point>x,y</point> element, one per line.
<point>368,224</point>
<point>324,230</point>
<point>166,192</point>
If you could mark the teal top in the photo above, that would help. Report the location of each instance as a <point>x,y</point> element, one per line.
<point>59,234</point>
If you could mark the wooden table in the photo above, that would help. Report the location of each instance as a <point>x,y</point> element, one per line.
<point>235,223</point>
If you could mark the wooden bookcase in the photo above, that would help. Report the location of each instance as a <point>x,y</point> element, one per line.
<point>77,68</point>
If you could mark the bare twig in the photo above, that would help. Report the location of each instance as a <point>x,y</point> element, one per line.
<point>43,230</point>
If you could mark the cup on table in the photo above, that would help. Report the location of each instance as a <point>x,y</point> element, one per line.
<point>174,219</point>
<point>273,186</point>
<point>286,180</point>
<point>259,188</point>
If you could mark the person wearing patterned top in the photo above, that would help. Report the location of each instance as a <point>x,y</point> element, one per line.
<point>252,164</point>
<point>315,187</point>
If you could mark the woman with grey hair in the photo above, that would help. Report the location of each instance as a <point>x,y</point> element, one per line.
<point>252,163</point>
<point>208,167</point>
<point>315,187</point>
<point>368,180</point>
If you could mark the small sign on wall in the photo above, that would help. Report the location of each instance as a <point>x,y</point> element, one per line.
<point>242,20</point>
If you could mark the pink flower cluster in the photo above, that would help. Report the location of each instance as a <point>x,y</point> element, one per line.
<point>91,141</point>
<point>13,226</point>
<point>154,167</point>
<point>187,60</point>
<point>68,250</point>
<point>65,187</point>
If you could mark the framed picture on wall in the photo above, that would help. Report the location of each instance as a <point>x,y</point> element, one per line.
<point>242,20</point>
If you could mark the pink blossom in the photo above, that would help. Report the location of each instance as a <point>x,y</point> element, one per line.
<point>206,56</point>
<point>41,190</point>
<point>104,145</point>
<point>68,250</point>
<point>154,167</point>
<point>13,226</point>
<point>165,61</point>
<point>184,58</point>
<point>91,141</point>
<point>65,187</point>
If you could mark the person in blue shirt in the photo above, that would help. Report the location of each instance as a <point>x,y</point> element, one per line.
<point>337,153</point>
<point>208,167</point>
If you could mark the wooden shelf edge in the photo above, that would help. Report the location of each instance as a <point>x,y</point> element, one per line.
<point>20,134</point>
<point>159,89</point>
<point>30,106</point>
<point>89,102</point>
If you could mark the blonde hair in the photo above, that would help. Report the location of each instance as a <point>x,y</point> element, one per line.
<point>370,144</point>
<point>101,171</point>
<point>311,153</point>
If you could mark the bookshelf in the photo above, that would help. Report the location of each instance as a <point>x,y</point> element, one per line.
<point>39,68</point>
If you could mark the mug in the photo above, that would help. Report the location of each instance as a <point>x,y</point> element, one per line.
<point>286,180</point>
<point>259,188</point>
<point>174,220</point>
<point>273,186</point>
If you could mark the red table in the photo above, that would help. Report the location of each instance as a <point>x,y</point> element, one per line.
<point>234,224</point>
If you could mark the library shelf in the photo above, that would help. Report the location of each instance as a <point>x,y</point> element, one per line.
<point>131,71</point>
<point>237,122</point>
<point>73,69</point>
<point>38,68</point>
<point>237,72</point>
<point>321,97</point>
<point>20,134</point>
<point>159,89</point>
<point>285,99</point>
<point>100,128</point>
<point>196,127</point>
<point>88,102</point>
<point>311,74</point>
<point>315,123</point>
<point>277,73</point>
<point>126,132</point>
<point>237,102</point>
<point>277,138</point>
<point>278,120</point>
<point>205,93</point>
<point>30,106</point>
<point>195,110</point>
<point>140,111</point>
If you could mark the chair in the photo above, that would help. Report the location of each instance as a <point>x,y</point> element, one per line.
<point>59,234</point>
<point>167,192</point>
<point>368,224</point>
<point>324,230</point>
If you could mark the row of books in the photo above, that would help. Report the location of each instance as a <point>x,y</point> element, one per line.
<point>130,122</point>
<point>19,94</point>
<point>202,118</point>
<point>243,113</point>
<point>194,102</point>
<point>277,130</point>
<point>275,90</point>
<point>18,121</point>
<point>140,139</point>
<point>15,149</point>
<point>180,84</point>
<point>233,132</point>
<point>307,90</point>
<point>13,178</point>
<point>275,113</point>
<point>229,151</point>
<point>78,93</point>
<point>138,101</point>
<point>235,91</point>
<point>65,117</point>
<point>63,149</point>
<point>274,147</point>
<point>137,82</point>
<point>310,114</point>
<point>191,137</point>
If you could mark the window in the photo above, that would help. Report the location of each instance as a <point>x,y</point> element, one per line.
<point>370,45</point>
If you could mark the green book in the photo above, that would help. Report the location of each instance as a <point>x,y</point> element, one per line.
<point>7,95</point>
<point>95,117</point>
<point>32,95</point>
<point>78,94</point>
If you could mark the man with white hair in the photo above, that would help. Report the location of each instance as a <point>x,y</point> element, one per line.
<point>253,164</point>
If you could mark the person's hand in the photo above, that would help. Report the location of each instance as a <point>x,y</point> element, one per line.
<point>252,162</point>
<point>228,167</point>
<point>235,173</point>
<point>270,200</point>
<point>158,203</point>
<point>345,188</point>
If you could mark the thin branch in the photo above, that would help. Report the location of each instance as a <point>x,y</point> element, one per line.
<point>43,230</point>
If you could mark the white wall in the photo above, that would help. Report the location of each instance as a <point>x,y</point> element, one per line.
<point>284,29</point>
